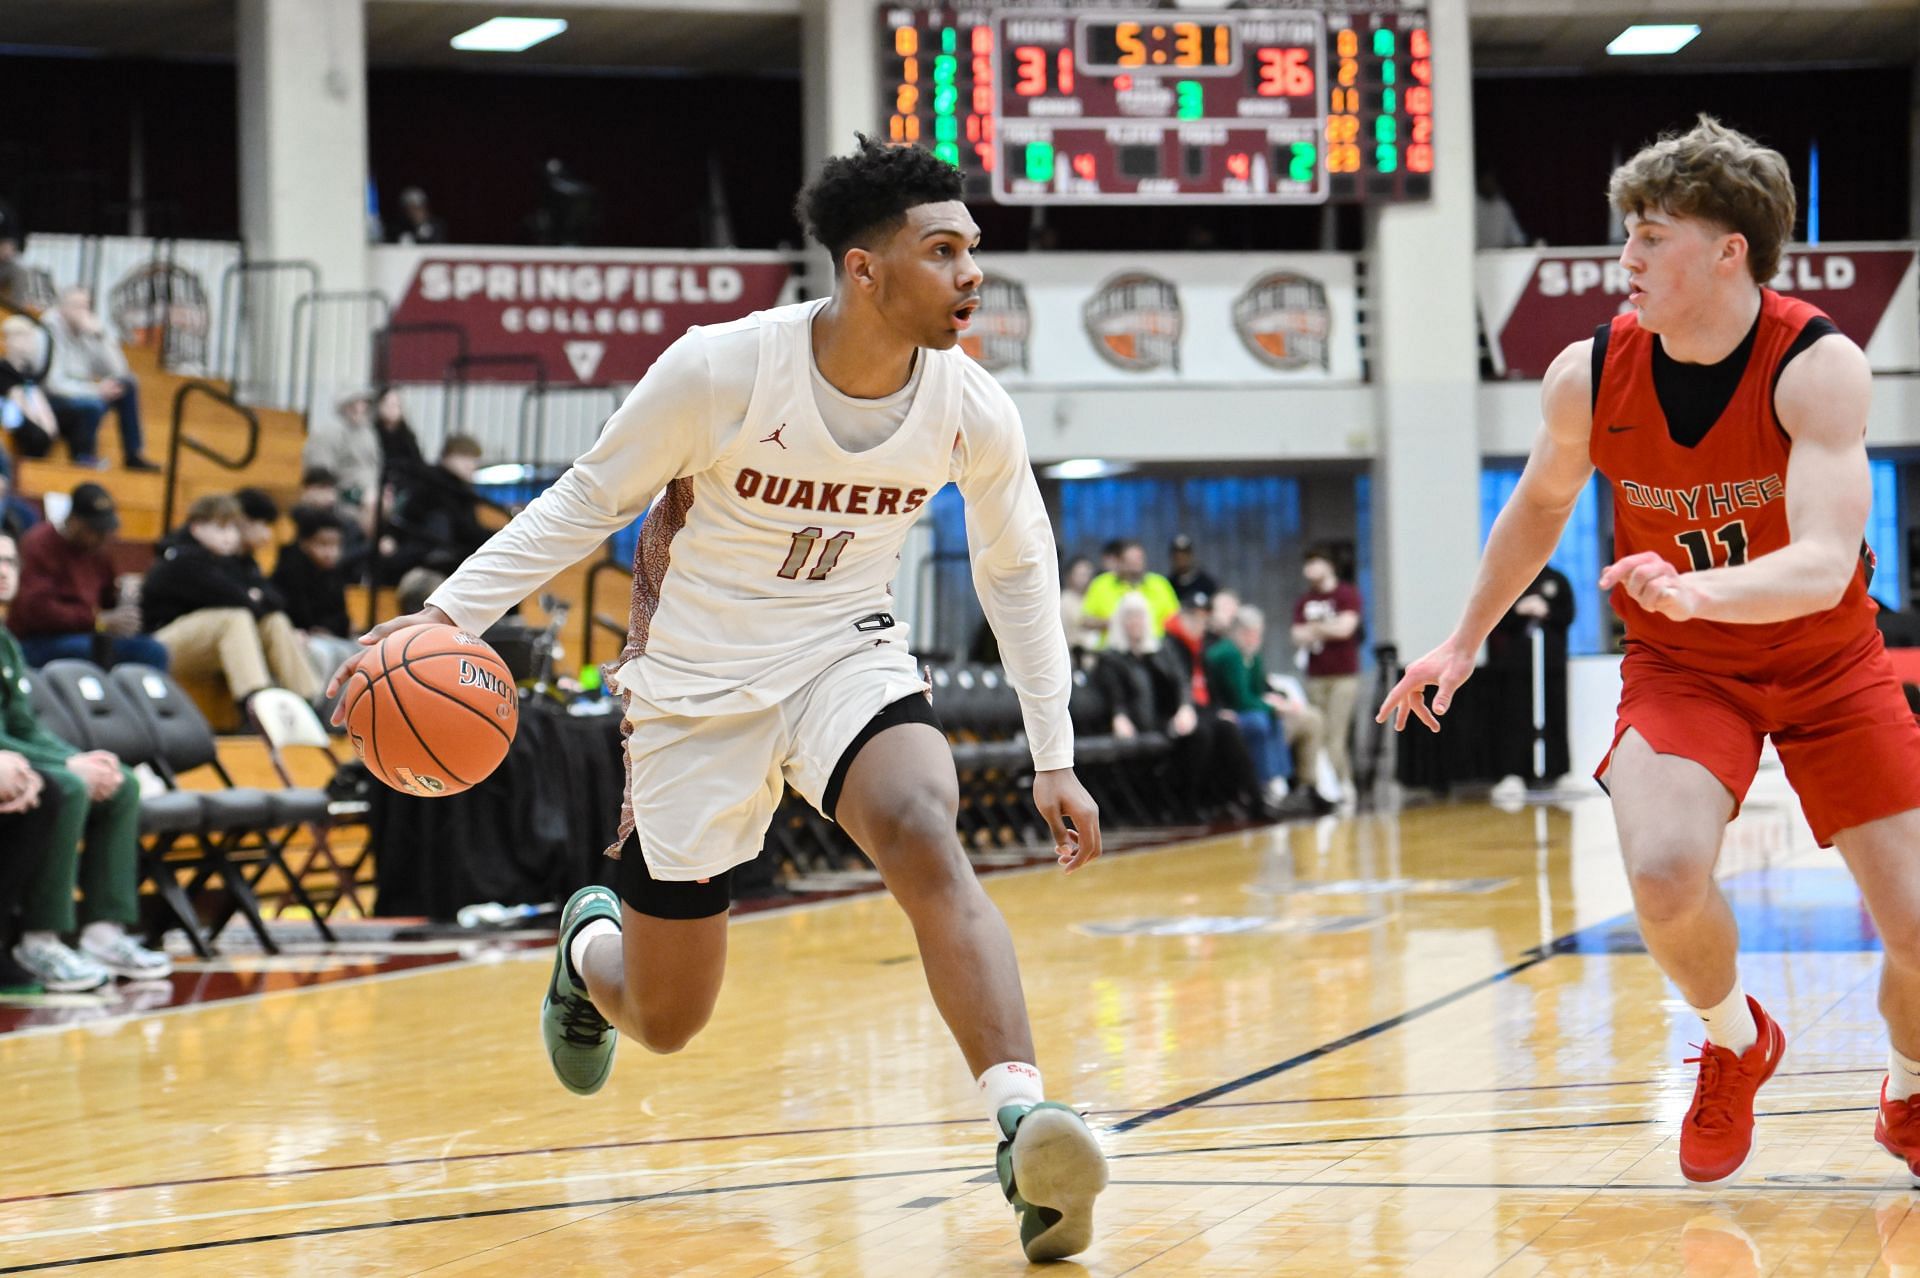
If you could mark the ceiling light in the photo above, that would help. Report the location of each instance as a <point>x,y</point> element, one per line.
<point>509,35</point>
<point>1653,38</point>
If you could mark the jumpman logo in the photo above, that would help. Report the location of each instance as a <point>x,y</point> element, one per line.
<point>775,437</point>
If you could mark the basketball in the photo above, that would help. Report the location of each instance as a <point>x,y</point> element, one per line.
<point>431,710</point>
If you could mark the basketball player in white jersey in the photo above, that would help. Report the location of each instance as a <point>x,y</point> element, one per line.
<point>795,448</point>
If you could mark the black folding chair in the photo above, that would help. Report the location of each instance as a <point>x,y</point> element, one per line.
<point>240,820</point>
<point>101,717</point>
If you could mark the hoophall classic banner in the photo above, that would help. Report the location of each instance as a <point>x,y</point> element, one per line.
<point>1534,302</point>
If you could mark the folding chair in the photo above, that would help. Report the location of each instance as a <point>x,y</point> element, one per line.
<point>54,715</point>
<point>101,717</point>
<point>239,819</point>
<point>287,724</point>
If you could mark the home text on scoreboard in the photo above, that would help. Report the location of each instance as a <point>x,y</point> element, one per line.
<point>1154,105</point>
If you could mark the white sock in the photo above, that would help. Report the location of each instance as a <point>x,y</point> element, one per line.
<point>29,940</point>
<point>586,936</point>
<point>1730,1022</point>
<point>1903,1076</point>
<point>1009,1083</point>
<point>101,933</point>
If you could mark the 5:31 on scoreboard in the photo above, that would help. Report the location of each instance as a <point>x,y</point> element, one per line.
<point>1167,106</point>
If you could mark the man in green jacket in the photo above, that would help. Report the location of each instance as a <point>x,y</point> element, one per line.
<point>99,802</point>
<point>1271,723</point>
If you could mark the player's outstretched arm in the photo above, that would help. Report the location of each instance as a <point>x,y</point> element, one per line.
<point>1822,401</point>
<point>1061,798</point>
<point>1522,539</point>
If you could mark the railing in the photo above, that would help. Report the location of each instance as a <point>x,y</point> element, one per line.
<point>594,622</point>
<point>596,404</point>
<point>350,319</point>
<point>218,395</point>
<point>383,342</point>
<point>492,412</point>
<point>253,351</point>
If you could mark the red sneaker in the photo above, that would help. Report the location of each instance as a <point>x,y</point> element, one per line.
<point>1897,1128</point>
<point>1716,1138</point>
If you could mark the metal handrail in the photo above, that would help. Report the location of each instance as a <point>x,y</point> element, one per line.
<point>383,345</point>
<point>233,316</point>
<point>455,383</point>
<point>307,307</point>
<point>538,395</point>
<point>219,395</point>
<point>593,620</point>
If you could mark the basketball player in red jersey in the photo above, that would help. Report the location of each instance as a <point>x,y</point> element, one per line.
<point>1731,422</point>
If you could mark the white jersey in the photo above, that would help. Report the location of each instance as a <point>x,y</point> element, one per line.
<point>772,549</point>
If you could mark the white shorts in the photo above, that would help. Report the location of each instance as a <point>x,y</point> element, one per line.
<point>704,789</point>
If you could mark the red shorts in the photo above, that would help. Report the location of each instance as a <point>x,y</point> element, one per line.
<point>1848,741</point>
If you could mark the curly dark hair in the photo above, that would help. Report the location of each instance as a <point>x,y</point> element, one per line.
<point>865,196</point>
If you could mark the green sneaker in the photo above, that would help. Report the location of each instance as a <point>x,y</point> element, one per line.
<point>1050,1169</point>
<point>580,1043</point>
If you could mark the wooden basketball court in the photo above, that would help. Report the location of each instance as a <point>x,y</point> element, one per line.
<point>1415,1044</point>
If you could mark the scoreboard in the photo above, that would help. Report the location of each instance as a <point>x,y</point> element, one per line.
<point>1168,106</point>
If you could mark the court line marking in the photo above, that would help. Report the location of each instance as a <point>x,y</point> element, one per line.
<point>709,1171</point>
<point>619,1200</point>
<point>658,1141</point>
<point>543,953</point>
<point>1312,1054</point>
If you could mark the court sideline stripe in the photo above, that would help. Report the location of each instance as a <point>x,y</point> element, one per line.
<point>1312,1054</point>
<point>620,1200</point>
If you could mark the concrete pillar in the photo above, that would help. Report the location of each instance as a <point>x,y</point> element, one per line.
<point>303,134</point>
<point>839,94</point>
<point>1426,372</point>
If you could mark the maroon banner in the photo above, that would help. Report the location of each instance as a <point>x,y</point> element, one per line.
<point>1569,295</point>
<point>586,320</point>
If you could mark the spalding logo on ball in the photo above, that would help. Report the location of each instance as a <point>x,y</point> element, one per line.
<point>431,710</point>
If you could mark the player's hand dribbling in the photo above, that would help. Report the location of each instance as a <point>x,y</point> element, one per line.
<point>1654,584</point>
<point>1444,669</point>
<point>1060,797</point>
<point>427,616</point>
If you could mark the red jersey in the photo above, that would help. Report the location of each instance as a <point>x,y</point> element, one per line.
<point>1718,503</point>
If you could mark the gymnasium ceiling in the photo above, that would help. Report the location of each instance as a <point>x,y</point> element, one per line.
<point>763,36</point>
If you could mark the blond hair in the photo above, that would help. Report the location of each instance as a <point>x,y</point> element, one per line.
<point>1717,175</point>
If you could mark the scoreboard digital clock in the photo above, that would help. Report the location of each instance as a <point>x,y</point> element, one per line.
<point>1167,106</point>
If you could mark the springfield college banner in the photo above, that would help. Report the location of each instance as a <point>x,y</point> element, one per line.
<point>591,316</point>
<point>1534,302</point>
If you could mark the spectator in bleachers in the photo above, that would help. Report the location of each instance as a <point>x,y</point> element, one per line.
<point>88,379</point>
<point>435,520</point>
<point>1073,595</point>
<point>214,617</point>
<point>1184,573</point>
<point>26,415</point>
<point>399,446</point>
<point>15,284</point>
<point>29,810</point>
<point>418,223</point>
<point>71,604</point>
<point>1326,626</point>
<point>349,447</point>
<point>1226,604</point>
<point>99,803</point>
<point>320,490</point>
<point>309,577</point>
<point>1148,689</point>
<point>259,513</point>
<point>410,596</point>
<point>1105,591</point>
<point>15,515</point>
<point>1237,679</point>
<point>1187,637</point>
